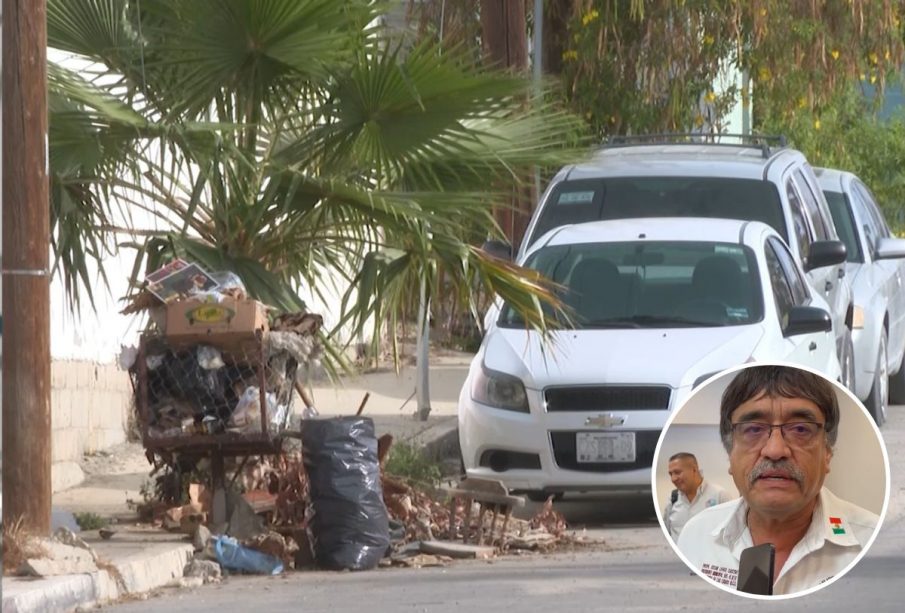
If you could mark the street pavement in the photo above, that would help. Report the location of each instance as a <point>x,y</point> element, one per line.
<point>634,569</point>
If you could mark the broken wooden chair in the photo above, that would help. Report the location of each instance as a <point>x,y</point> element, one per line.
<point>492,497</point>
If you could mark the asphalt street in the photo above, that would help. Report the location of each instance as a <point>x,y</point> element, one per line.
<point>633,569</point>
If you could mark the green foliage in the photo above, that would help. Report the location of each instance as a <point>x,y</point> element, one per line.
<point>90,521</point>
<point>407,461</point>
<point>847,135</point>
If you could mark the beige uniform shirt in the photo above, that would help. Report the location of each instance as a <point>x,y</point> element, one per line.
<point>679,512</point>
<point>713,541</point>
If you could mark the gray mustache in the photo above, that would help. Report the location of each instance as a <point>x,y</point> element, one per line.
<point>766,466</point>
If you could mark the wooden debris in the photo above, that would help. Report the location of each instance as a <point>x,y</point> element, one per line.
<point>458,550</point>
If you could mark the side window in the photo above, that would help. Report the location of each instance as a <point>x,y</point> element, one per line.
<point>800,227</point>
<point>782,292</point>
<point>873,208</point>
<point>797,285</point>
<point>812,207</point>
<point>868,221</point>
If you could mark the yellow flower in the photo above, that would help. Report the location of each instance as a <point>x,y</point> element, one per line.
<point>571,54</point>
<point>708,40</point>
<point>873,78</point>
<point>873,58</point>
<point>816,124</point>
<point>835,54</point>
<point>764,74</point>
<point>589,17</point>
<point>710,97</point>
<point>802,102</point>
<point>763,12</point>
<point>886,55</point>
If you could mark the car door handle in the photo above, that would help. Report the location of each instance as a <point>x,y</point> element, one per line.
<point>812,346</point>
<point>841,273</point>
<point>828,286</point>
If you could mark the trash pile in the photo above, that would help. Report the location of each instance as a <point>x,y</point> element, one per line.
<point>291,493</point>
<point>213,362</point>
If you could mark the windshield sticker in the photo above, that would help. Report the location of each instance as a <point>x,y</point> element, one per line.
<point>576,197</point>
<point>730,249</point>
<point>741,313</point>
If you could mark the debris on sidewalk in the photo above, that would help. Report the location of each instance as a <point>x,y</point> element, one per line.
<point>207,570</point>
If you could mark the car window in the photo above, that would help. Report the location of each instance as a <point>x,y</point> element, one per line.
<point>868,221</point>
<point>581,200</point>
<point>812,207</point>
<point>802,235</point>
<point>796,282</point>
<point>782,291</point>
<point>651,284</point>
<point>873,209</point>
<point>845,225</point>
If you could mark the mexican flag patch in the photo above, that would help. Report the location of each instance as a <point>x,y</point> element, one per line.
<point>836,523</point>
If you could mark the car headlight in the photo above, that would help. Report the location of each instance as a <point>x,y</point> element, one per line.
<point>857,317</point>
<point>499,390</point>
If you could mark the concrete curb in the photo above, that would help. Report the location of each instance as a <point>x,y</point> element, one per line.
<point>140,573</point>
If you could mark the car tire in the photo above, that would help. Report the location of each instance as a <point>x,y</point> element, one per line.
<point>847,361</point>
<point>878,399</point>
<point>897,385</point>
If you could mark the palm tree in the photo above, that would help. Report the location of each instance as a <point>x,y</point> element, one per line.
<point>286,140</point>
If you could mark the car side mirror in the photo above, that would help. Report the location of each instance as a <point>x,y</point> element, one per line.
<point>890,248</point>
<point>807,320</point>
<point>825,253</point>
<point>498,249</point>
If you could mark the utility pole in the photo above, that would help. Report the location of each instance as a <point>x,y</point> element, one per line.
<point>26,276</point>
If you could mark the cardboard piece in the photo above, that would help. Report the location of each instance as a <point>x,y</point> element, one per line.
<point>226,324</point>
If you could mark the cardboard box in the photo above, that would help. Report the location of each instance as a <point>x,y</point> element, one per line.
<point>227,324</point>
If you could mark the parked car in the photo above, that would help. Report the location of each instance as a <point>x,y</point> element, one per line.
<point>735,181</point>
<point>876,268</point>
<point>659,305</point>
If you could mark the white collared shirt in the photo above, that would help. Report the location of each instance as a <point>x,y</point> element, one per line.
<point>713,541</point>
<point>679,512</point>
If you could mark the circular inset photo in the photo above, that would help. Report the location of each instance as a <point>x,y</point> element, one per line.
<point>770,481</point>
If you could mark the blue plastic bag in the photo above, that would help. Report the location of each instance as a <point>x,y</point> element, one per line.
<point>232,555</point>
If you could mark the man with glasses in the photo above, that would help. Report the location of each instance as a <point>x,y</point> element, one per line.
<point>779,425</point>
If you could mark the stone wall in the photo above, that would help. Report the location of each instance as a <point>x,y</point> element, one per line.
<point>90,405</point>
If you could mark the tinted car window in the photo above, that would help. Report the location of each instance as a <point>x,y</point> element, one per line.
<point>782,292</point>
<point>821,232</point>
<point>871,204</point>
<point>802,236</point>
<point>797,284</point>
<point>845,225</point>
<point>868,222</point>
<point>656,284</point>
<point>577,201</point>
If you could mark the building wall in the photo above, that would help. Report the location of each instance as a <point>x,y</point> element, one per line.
<point>90,404</point>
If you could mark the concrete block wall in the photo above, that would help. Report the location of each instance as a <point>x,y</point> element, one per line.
<point>90,404</point>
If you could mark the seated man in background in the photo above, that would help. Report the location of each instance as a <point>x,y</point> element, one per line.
<point>779,425</point>
<point>692,494</point>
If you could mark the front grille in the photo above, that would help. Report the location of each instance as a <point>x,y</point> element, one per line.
<point>564,453</point>
<point>607,398</point>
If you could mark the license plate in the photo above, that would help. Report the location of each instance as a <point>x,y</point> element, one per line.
<point>605,446</point>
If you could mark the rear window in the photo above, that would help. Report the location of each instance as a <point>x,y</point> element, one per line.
<point>584,200</point>
<point>845,225</point>
<point>651,284</point>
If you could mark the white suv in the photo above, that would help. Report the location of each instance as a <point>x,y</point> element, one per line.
<point>733,181</point>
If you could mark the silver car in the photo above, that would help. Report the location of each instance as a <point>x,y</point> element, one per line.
<point>876,268</point>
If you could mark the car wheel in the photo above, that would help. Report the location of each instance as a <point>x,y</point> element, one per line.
<point>878,399</point>
<point>847,361</point>
<point>897,385</point>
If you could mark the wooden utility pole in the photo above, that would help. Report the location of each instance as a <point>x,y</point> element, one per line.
<point>26,277</point>
<point>504,34</point>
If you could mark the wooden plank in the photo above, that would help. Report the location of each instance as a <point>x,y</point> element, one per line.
<point>457,550</point>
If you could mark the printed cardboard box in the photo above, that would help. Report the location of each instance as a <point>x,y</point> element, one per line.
<point>228,324</point>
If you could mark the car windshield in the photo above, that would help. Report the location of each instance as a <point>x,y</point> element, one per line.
<point>845,225</point>
<point>674,284</point>
<point>584,200</point>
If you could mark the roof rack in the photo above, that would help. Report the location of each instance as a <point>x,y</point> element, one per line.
<point>760,141</point>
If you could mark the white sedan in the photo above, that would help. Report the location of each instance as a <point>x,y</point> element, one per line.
<point>876,268</point>
<point>658,305</point>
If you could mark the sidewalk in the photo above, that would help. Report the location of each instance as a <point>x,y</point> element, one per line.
<point>150,558</point>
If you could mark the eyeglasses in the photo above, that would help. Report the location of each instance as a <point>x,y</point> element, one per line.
<point>796,433</point>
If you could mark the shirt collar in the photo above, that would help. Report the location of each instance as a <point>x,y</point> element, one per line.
<point>828,523</point>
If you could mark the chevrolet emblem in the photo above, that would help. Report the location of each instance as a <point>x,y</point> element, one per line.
<point>605,421</point>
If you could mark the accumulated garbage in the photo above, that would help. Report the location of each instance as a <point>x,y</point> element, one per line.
<point>349,526</point>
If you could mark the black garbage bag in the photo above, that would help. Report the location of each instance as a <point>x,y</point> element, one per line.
<point>350,527</point>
